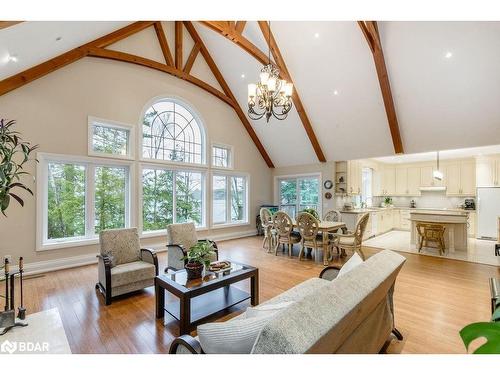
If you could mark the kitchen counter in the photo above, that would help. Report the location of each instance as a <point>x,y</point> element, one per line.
<point>376,209</point>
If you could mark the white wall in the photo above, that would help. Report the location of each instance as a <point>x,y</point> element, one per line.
<point>52,112</point>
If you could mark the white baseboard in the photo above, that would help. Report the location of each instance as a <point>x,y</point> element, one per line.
<point>86,259</point>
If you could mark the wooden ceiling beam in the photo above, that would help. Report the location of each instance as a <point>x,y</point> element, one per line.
<point>160,33</point>
<point>139,60</point>
<point>370,31</point>
<point>260,56</point>
<point>5,24</point>
<point>178,44</point>
<point>40,70</point>
<point>227,90</point>
<point>192,57</point>
<point>240,26</point>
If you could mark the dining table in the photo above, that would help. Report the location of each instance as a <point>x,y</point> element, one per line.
<point>327,227</point>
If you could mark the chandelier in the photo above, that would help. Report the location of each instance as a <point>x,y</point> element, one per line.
<point>271,96</point>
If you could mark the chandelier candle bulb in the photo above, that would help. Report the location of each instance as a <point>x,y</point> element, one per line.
<point>289,89</point>
<point>252,89</point>
<point>282,86</point>
<point>271,84</point>
<point>264,78</point>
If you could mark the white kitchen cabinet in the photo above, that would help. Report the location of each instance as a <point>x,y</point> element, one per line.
<point>461,178</point>
<point>388,181</point>
<point>488,171</point>
<point>401,181</point>
<point>405,219</point>
<point>413,181</point>
<point>426,178</point>
<point>353,177</point>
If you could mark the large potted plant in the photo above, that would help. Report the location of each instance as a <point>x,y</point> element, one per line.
<point>14,154</point>
<point>197,257</point>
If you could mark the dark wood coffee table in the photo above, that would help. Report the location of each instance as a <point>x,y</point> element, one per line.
<point>202,298</point>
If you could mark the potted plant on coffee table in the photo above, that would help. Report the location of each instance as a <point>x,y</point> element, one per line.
<point>198,256</point>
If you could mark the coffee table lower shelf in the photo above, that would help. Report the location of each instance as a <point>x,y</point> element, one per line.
<point>209,304</point>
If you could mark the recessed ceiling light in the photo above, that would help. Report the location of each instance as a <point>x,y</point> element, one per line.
<point>243,76</point>
<point>12,58</point>
<point>335,92</point>
<point>448,55</point>
<point>58,38</point>
<point>316,35</point>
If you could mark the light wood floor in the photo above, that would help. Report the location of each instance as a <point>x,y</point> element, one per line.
<point>434,299</point>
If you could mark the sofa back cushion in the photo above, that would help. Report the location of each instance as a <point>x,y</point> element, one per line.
<point>121,244</point>
<point>322,321</point>
<point>182,234</point>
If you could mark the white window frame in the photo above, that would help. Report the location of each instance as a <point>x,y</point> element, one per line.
<point>173,168</point>
<point>318,175</point>
<point>92,120</point>
<point>42,242</point>
<point>228,222</point>
<point>230,150</point>
<point>201,123</point>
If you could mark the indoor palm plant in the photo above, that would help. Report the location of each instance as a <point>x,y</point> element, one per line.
<point>14,154</point>
<point>197,257</point>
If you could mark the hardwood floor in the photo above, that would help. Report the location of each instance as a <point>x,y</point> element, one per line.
<point>434,299</point>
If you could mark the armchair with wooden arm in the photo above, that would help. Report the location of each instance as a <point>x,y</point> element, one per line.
<point>123,266</point>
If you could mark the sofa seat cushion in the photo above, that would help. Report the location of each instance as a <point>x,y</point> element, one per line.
<point>127,273</point>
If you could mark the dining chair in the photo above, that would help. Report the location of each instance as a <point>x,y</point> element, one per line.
<point>308,227</point>
<point>352,240</point>
<point>266,219</point>
<point>285,235</point>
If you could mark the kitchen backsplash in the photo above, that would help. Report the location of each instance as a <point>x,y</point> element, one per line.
<point>428,199</point>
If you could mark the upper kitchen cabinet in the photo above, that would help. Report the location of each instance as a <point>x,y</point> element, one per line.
<point>407,181</point>
<point>427,176</point>
<point>401,181</point>
<point>461,178</point>
<point>413,181</point>
<point>488,171</point>
<point>348,177</point>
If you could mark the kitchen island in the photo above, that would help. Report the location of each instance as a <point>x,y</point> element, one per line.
<point>455,223</point>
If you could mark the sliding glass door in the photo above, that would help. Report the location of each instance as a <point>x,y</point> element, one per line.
<point>299,193</point>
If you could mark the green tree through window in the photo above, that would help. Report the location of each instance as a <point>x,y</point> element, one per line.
<point>109,203</point>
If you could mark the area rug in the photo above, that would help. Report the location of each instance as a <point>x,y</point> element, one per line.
<point>44,335</point>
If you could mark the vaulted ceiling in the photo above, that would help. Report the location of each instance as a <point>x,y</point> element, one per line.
<point>444,78</point>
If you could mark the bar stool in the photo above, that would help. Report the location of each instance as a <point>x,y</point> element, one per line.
<point>431,233</point>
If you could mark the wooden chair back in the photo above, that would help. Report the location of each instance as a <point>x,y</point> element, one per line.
<point>308,226</point>
<point>266,217</point>
<point>360,228</point>
<point>282,223</point>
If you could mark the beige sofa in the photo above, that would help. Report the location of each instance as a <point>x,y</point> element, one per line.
<point>351,314</point>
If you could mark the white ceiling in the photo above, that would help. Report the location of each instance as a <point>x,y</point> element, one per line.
<point>441,103</point>
<point>32,43</point>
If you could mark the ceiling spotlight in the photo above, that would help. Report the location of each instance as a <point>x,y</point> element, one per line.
<point>335,92</point>
<point>448,55</point>
<point>316,35</point>
<point>58,38</point>
<point>243,76</point>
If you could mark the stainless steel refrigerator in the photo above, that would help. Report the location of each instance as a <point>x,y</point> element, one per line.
<point>488,211</point>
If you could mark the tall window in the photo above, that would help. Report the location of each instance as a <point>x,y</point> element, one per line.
<point>171,197</point>
<point>367,189</point>
<point>298,193</point>
<point>171,132</point>
<point>229,199</point>
<point>81,197</point>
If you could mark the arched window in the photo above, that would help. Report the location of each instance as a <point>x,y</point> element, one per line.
<point>171,131</point>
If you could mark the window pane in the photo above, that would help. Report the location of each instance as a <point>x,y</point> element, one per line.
<point>110,140</point>
<point>309,191</point>
<point>219,204</point>
<point>188,199</point>
<point>238,198</point>
<point>170,132</point>
<point>110,197</point>
<point>288,192</point>
<point>157,199</point>
<point>221,156</point>
<point>65,201</point>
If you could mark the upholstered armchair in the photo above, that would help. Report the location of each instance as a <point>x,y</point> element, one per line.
<point>124,267</point>
<point>180,238</point>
